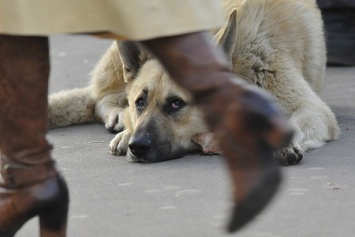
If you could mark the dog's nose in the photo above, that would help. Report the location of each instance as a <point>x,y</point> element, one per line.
<point>139,145</point>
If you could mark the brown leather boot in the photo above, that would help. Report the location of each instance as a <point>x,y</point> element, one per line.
<point>247,124</point>
<point>30,184</point>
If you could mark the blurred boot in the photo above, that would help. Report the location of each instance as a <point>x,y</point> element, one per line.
<point>245,121</point>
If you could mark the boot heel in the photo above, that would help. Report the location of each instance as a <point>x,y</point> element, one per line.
<point>53,223</point>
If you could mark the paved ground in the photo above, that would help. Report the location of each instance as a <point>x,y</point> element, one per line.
<point>190,196</point>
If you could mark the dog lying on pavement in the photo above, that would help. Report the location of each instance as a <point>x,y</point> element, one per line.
<point>277,45</point>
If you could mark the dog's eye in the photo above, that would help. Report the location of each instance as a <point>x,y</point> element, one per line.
<point>176,104</point>
<point>173,105</point>
<point>140,103</point>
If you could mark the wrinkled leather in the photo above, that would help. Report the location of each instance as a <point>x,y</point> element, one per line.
<point>30,184</point>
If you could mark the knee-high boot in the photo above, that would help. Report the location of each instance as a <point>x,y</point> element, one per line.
<point>30,184</point>
<point>245,121</point>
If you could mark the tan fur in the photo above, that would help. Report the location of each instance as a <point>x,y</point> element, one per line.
<point>207,142</point>
<point>63,112</point>
<point>276,44</point>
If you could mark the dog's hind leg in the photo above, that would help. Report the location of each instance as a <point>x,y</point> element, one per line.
<point>312,119</point>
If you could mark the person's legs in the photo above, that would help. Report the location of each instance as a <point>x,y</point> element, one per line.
<point>246,123</point>
<point>30,184</point>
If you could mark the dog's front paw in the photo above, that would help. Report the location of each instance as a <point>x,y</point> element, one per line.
<point>208,143</point>
<point>114,121</point>
<point>290,155</point>
<point>119,144</point>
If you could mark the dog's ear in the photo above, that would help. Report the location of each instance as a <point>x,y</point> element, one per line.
<point>227,40</point>
<point>132,57</point>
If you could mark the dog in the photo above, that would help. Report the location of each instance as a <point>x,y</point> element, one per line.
<point>276,45</point>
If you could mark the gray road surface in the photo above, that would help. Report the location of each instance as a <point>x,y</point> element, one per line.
<point>190,196</point>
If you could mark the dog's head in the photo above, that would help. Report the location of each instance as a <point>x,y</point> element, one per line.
<point>161,118</point>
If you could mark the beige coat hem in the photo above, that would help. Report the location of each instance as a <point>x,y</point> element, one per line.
<point>130,19</point>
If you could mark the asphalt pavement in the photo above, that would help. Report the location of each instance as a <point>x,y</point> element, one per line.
<point>191,196</point>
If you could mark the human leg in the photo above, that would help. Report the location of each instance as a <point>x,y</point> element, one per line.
<point>246,123</point>
<point>30,183</point>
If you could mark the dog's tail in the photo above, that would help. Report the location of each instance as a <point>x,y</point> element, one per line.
<point>71,107</point>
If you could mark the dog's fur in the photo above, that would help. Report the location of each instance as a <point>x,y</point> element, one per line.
<point>277,45</point>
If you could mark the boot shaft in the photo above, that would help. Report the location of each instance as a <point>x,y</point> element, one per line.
<point>24,73</point>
